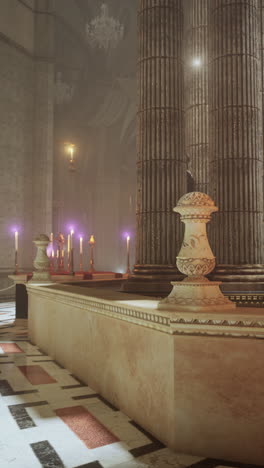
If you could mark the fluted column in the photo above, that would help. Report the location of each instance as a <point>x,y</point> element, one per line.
<point>196,91</point>
<point>261,17</point>
<point>236,164</point>
<point>161,170</point>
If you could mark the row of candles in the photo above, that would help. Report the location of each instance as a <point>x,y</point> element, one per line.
<point>70,243</point>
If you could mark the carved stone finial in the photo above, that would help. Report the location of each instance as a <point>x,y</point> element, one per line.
<point>195,259</point>
<point>41,262</point>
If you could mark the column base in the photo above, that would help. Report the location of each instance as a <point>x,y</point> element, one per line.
<point>244,273</point>
<point>196,295</point>
<point>152,280</point>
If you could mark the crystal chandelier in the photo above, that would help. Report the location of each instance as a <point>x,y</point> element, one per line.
<point>104,31</point>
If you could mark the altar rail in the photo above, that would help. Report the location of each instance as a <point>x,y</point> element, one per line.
<point>195,381</point>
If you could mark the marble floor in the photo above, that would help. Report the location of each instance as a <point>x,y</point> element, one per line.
<point>48,418</point>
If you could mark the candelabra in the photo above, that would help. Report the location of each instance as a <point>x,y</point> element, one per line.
<point>16,262</point>
<point>92,244</point>
<point>60,259</point>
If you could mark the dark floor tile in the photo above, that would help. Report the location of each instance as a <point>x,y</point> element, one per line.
<point>46,455</point>
<point>68,387</point>
<point>82,397</point>
<point>21,416</point>
<point>94,464</point>
<point>148,448</point>
<point>6,389</point>
<point>103,400</point>
<point>214,462</point>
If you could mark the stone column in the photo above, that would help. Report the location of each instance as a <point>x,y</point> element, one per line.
<point>161,168</point>
<point>261,15</point>
<point>44,116</point>
<point>196,92</point>
<point>236,163</point>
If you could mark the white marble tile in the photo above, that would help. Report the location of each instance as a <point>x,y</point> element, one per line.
<point>112,454</point>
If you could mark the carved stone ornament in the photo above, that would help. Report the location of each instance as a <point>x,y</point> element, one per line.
<point>41,262</point>
<point>196,259</point>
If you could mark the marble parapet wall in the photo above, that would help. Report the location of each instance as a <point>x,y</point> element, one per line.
<point>194,381</point>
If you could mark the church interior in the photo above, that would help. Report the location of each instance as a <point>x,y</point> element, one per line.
<point>132,233</point>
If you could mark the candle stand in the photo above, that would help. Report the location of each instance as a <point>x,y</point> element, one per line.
<point>81,261</point>
<point>16,262</point>
<point>92,244</point>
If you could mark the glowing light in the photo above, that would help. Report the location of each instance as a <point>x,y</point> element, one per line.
<point>196,62</point>
<point>92,240</point>
<point>16,241</point>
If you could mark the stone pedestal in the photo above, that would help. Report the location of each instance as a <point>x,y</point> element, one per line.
<point>41,262</point>
<point>196,259</point>
<point>161,168</point>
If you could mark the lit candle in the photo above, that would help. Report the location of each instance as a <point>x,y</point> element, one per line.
<point>72,232</point>
<point>52,253</point>
<point>16,241</point>
<point>71,150</point>
<point>62,253</point>
<point>51,237</point>
<point>69,243</point>
<point>128,255</point>
<point>81,245</point>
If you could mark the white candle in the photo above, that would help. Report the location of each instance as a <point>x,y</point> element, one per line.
<point>62,253</point>
<point>51,237</point>
<point>72,232</point>
<point>71,152</point>
<point>69,243</point>
<point>16,241</point>
<point>52,253</point>
<point>81,245</point>
<point>128,242</point>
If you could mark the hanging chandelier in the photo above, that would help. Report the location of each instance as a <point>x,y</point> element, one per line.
<point>104,31</point>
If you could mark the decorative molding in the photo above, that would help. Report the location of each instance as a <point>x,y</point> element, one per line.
<point>166,322</point>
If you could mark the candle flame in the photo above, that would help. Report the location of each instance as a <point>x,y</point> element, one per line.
<point>92,241</point>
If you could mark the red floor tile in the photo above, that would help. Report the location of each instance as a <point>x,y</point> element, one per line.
<point>36,375</point>
<point>86,427</point>
<point>11,348</point>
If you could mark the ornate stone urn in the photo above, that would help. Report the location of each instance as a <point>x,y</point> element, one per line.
<point>41,262</point>
<point>195,259</point>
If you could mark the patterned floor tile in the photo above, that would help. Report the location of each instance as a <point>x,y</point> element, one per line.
<point>57,421</point>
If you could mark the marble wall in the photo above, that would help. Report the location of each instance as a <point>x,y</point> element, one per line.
<point>44,51</point>
<point>16,131</point>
